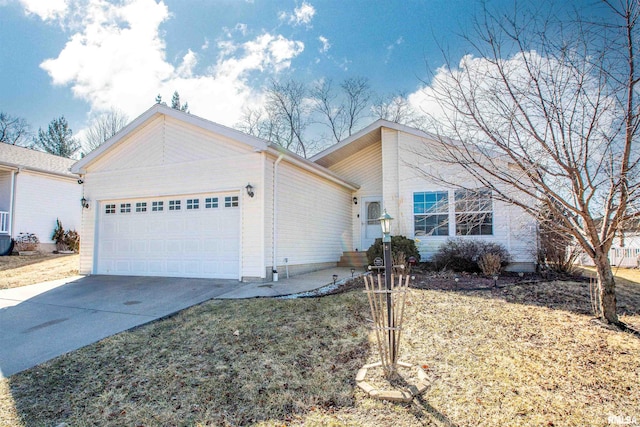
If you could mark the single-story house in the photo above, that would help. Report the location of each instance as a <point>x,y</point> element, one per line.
<point>36,188</point>
<point>173,194</point>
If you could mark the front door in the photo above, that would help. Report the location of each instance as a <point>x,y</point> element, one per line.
<point>372,210</point>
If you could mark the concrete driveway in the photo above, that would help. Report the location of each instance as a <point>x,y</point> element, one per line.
<point>40,322</point>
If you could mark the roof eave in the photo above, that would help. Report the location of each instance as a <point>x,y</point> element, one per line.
<point>310,166</point>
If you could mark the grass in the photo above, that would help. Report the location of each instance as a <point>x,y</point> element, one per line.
<point>22,270</point>
<point>525,355</point>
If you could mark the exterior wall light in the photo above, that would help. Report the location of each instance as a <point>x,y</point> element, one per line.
<point>249,189</point>
<point>355,200</point>
<point>85,203</point>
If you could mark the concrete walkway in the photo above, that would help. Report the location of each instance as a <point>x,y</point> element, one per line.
<point>293,285</point>
<point>43,321</point>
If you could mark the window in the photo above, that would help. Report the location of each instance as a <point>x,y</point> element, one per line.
<point>157,206</point>
<point>141,207</point>
<point>431,213</point>
<point>174,205</point>
<point>211,202</point>
<point>125,207</point>
<point>193,203</point>
<point>110,209</point>
<point>231,201</point>
<point>373,213</point>
<point>474,212</point>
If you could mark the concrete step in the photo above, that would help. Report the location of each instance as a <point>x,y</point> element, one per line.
<point>353,259</point>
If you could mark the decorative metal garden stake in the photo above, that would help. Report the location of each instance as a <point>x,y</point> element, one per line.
<point>387,300</point>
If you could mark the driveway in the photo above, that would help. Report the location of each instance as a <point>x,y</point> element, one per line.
<point>40,322</point>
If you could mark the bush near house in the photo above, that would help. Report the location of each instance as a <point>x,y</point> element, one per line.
<point>68,240</point>
<point>399,244</point>
<point>471,256</point>
<point>26,242</point>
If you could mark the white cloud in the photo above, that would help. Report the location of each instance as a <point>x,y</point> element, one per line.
<point>46,9</point>
<point>325,44</point>
<point>301,15</point>
<point>391,48</point>
<point>189,61</point>
<point>117,59</point>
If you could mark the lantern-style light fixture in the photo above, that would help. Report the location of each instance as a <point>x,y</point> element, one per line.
<point>355,200</point>
<point>385,224</point>
<point>84,202</point>
<point>249,189</point>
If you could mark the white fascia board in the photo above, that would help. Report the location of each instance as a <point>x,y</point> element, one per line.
<point>17,167</point>
<point>310,166</point>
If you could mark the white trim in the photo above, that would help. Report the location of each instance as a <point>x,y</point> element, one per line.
<point>314,168</point>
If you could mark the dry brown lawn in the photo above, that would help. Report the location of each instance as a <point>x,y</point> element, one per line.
<point>523,355</point>
<point>24,270</point>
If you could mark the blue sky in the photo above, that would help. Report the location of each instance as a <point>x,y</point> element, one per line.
<point>78,58</point>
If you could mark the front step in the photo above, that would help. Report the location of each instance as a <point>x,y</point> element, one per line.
<point>353,259</point>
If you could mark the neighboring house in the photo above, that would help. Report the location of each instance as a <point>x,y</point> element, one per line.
<point>36,188</point>
<point>173,194</point>
<point>625,249</point>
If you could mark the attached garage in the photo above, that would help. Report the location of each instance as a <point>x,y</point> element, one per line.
<point>175,195</point>
<point>194,235</point>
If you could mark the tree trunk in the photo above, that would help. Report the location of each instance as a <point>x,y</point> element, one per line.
<point>606,288</point>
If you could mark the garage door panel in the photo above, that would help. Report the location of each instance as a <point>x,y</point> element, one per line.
<point>202,242</point>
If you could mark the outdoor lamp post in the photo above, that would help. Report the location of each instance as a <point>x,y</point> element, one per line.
<point>385,224</point>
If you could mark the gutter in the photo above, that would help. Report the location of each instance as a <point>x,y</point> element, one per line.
<point>38,170</point>
<point>313,167</point>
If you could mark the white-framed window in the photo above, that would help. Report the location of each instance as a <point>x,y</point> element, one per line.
<point>125,207</point>
<point>157,206</point>
<point>211,202</point>
<point>231,202</point>
<point>141,207</point>
<point>174,205</point>
<point>474,212</point>
<point>431,213</point>
<point>110,208</point>
<point>193,203</point>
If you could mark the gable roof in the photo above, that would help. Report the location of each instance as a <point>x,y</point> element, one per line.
<point>259,145</point>
<point>15,157</point>
<point>160,109</point>
<point>362,139</point>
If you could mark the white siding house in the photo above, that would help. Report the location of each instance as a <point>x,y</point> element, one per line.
<point>168,197</point>
<point>36,188</point>
<point>173,194</point>
<point>388,161</point>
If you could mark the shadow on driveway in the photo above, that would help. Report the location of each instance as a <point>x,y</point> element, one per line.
<point>43,321</point>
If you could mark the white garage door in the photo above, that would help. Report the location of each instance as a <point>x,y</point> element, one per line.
<point>187,236</point>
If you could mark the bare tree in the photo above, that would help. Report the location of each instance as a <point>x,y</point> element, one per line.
<point>291,108</point>
<point>549,117</point>
<point>357,94</point>
<point>283,118</point>
<point>395,107</point>
<point>342,111</point>
<point>104,127</point>
<point>13,130</point>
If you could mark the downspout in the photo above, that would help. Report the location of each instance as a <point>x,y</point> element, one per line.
<point>12,198</point>
<point>275,218</point>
